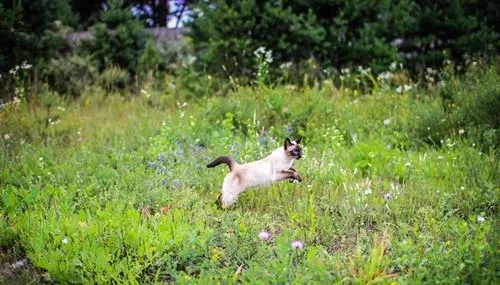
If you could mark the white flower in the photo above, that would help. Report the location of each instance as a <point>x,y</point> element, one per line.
<point>480,219</point>
<point>26,65</point>
<point>461,131</point>
<point>387,122</point>
<point>345,71</point>
<point>387,196</point>
<point>6,137</point>
<point>399,89</point>
<point>440,157</point>
<point>385,75</point>
<point>64,240</point>
<point>368,191</point>
<point>408,164</point>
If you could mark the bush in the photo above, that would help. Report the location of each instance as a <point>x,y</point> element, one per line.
<point>70,75</point>
<point>114,79</point>
<point>30,31</point>
<point>150,59</point>
<point>339,34</point>
<point>118,39</point>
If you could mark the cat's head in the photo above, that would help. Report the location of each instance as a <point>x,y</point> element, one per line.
<point>293,148</point>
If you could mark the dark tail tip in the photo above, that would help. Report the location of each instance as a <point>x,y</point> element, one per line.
<point>222,159</point>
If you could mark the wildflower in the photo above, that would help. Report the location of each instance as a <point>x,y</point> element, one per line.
<point>399,89</point>
<point>345,71</point>
<point>440,157</point>
<point>480,219</point>
<point>408,164</point>
<point>461,131</point>
<point>145,211</point>
<point>161,157</point>
<point>387,196</point>
<point>264,236</point>
<point>387,122</point>
<point>64,240</point>
<point>26,65</point>
<point>286,65</point>
<point>297,244</point>
<point>262,140</point>
<point>6,137</point>
<point>368,191</point>
<point>397,42</point>
<point>393,66</point>
<point>176,183</point>
<point>385,75</point>
<point>165,209</point>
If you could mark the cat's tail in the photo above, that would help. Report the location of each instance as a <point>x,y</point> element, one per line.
<point>223,159</point>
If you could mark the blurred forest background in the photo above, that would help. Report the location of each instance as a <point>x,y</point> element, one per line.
<point>72,43</point>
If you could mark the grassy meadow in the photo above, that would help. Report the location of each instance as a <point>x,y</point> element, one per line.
<point>401,185</point>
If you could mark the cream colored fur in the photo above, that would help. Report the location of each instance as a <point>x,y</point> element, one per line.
<point>274,167</point>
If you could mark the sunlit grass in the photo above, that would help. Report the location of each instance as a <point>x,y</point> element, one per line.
<point>117,190</point>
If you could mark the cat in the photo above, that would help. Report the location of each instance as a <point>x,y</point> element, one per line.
<point>274,167</point>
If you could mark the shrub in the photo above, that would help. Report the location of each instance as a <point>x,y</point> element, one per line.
<point>70,75</point>
<point>118,38</point>
<point>340,33</point>
<point>150,59</point>
<point>114,79</point>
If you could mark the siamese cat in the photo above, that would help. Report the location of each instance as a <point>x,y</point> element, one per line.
<point>274,167</point>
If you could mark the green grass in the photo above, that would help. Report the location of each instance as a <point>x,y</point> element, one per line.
<point>117,191</point>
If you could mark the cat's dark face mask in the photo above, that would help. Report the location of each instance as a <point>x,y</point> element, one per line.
<point>293,148</point>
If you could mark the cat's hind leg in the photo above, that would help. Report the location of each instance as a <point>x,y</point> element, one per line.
<point>231,188</point>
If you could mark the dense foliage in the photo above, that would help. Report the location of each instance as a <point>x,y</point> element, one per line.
<point>118,39</point>
<point>341,33</point>
<point>30,31</point>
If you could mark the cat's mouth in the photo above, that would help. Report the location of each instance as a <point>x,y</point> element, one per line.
<point>297,154</point>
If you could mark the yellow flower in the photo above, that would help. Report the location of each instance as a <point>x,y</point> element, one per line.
<point>216,253</point>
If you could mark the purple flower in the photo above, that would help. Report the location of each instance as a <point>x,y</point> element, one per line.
<point>264,236</point>
<point>176,183</point>
<point>161,157</point>
<point>288,130</point>
<point>262,140</point>
<point>297,244</point>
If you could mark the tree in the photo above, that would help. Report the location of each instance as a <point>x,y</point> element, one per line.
<point>341,33</point>
<point>118,38</point>
<point>29,31</point>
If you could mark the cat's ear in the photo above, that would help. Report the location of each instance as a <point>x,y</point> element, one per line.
<point>287,143</point>
<point>298,140</point>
